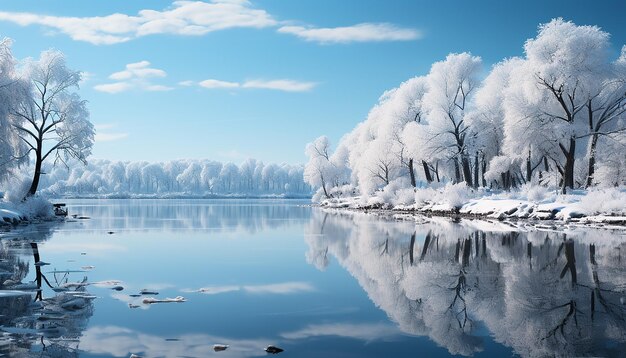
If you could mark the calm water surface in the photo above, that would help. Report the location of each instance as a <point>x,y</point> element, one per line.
<point>317,284</point>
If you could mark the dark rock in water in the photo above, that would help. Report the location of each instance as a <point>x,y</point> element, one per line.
<point>220,347</point>
<point>148,292</point>
<point>117,288</point>
<point>135,295</point>
<point>110,232</point>
<point>273,349</point>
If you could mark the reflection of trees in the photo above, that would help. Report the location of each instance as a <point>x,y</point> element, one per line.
<point>541,293</point>
<point>191,214</point>
<point>49,325</point>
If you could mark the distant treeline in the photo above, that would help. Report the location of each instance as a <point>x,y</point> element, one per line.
<point>176,178</point>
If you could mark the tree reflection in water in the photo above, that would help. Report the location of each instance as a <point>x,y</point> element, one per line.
<point>33,324</point>
<point>541,293</point>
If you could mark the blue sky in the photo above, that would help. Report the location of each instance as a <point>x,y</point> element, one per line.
<point>231,79</point>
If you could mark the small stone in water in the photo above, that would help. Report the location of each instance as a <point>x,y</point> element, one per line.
<point>273,349</point>
<point>220,347</point>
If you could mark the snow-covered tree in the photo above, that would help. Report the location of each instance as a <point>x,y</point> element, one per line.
<point>559,111</point>
<point>319,171</point>
<point>13,151</point>
<point>190,177</point>
<point>228,175</point>
<point>53,119</point>
<point>451,85</point>
<point>564,95</point>
<point>487,118</point>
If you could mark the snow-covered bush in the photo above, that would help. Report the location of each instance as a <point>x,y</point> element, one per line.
<point>318,196</point>
<point>36,207</point>
<point>425,195</point>
<point>344,191</point>
<point>454,195</point>
<point>16,188</point>
<point>600,201</point>
<point>397,192</point>
<point>534,193</point>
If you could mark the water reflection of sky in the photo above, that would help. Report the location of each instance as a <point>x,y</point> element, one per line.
<point>317,284</point>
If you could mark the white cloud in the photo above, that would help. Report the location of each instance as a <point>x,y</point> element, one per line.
<point>158,88</point>
<point>187,83</point>
<point>113,87</point>
<point>365,32</point>
<point>120,341</point>
<point>197,18</point>
<point>214,290</point>
<point>283,288</point>
<point>85,77</point>
<point>187,18</point>
<point>280,288</point>
<point>210,83</point>
<point>104,133</point>
<point>135,76</point>
<point>362,331</point>
<point>137,70</point>
<point>279,85</point>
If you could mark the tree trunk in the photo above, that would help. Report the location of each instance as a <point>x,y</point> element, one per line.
<point>482,172</point>
<point>592,160</point>
<point>457,172</point>
<point>38,275</point>
<point>568,170</point>
<point>37,174</point>
<point>324,187</point>
<point>425,247</point>
<point>412,173</point>
<point>476,171</point>
<point>411,248</point>
<point>467,171</point>
<point>467,250</point>
<point>529,170</point>
<point>427,174</point>
<point>571,261</point>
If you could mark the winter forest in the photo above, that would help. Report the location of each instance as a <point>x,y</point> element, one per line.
<point>176,178</point>
<point>555,118</point>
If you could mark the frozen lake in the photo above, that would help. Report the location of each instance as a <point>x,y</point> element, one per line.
<point>317,284</point>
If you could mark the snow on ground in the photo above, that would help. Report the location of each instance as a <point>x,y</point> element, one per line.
<point>592,206</point>
<point>31,209</point>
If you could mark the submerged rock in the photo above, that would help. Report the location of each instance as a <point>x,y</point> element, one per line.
<point>273,349</point>
<point>220,347</point>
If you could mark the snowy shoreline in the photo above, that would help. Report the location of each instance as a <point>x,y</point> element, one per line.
<point>32,210</point>
<point>493,224</point>
<point>593,209</point>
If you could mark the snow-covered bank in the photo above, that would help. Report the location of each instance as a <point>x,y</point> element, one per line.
<point>35,208</point>
<point>593,206</point>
